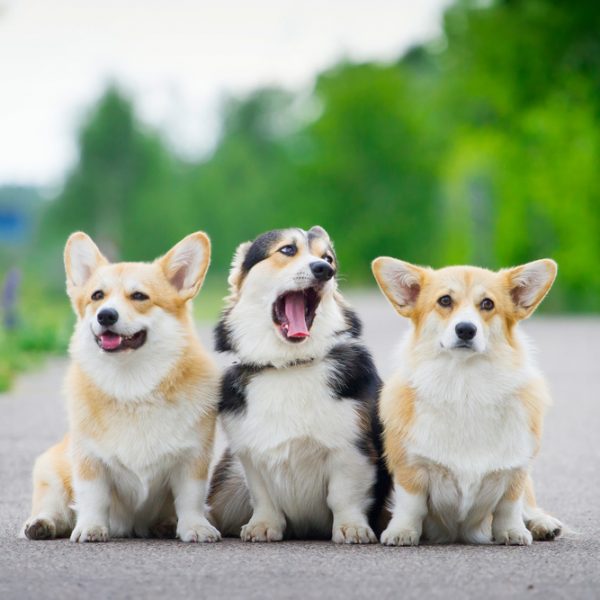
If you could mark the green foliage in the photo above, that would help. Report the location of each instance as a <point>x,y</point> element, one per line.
<point>480,148</point>
<point>44,327</point>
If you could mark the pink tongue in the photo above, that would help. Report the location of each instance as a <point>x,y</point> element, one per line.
<point>110,341</point>
<point>294,311</point>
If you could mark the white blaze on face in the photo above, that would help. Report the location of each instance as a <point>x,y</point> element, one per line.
<point>464,315</point>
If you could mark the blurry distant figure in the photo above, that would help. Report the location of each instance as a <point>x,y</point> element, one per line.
<point>8,301</point>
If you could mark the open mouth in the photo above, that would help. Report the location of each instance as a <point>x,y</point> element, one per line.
<point>294,313</point>
<point>109,341</point>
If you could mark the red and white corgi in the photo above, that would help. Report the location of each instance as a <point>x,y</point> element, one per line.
<point>142,403</point>
<point>463,413</point>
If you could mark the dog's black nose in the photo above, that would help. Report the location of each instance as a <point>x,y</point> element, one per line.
<point>108,317</point>
<point>321,270</point>
<point>466,331</point>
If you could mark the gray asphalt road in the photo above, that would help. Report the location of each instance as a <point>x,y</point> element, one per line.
<point>567,477</point>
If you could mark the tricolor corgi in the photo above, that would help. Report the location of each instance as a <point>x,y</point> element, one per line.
<point>463,413</point>
<point>142,403</point>
<point>299,406</point>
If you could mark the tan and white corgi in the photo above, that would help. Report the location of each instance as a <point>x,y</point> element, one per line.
<point>300,406</point>
<point>142,403</point>
<point>463,413</point>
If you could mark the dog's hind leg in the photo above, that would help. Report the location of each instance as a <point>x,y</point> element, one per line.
<point>543,526</point>
<point>229,499</point>
<point>51,514</point>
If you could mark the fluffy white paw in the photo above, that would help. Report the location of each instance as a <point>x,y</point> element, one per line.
<point>351,533</point>
<point>39,529</point>
<point>261,531</point>
<point>89,533</point>
<point>198,533</point>
<point>544,528</point>
<point>512,536</point>
<point>401,536</point>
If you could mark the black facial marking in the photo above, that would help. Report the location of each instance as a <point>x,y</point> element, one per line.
<point>259,250</point>
<point>233,388</point>
<point>222,335</point>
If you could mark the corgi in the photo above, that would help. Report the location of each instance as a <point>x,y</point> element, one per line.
<point>299,406</point>
<point>142,399</point>
<point>462,414</point>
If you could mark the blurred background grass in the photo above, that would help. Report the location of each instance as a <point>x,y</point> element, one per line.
<point>481,146</point>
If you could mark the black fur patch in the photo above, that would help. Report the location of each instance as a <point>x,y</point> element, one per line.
<point>259,250</point>
<point>354,374</point>
<point>354,323</point>
<point>233,388</point>
<point>355,377</point>
<point>222,335</point>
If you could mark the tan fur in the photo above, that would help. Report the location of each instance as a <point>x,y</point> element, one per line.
<point>414,292</point>
<point>93,413</point>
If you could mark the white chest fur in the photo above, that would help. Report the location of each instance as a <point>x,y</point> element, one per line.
<point>287,405</point>
<point>469,420</point>
<point>142,441</point>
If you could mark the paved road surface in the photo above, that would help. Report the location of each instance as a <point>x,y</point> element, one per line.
<point>567,477</point>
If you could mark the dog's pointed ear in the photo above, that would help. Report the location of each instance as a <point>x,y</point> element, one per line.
<point>186,264</point>
<point>82,258</point>
<point>400,282</point>
<point>237,270</point>
<point>319,232</point>
<point>529,283</point>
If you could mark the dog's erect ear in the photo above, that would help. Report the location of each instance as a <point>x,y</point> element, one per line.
<point>319,232</point>
<point>82,258</point>
<point>529,283</point>
<point>235,274</point>
<point>400,282</point>
<point>186,264</point>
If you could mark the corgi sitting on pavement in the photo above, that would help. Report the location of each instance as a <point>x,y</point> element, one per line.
<point>142,403</point>
<point>463,413</point>
<point>299,408</point>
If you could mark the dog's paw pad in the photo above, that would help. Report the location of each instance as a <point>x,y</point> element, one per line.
<point>353,534</point>
<point>261,531</point>
<point>400,537</point>
<point>544,528</point>
<point>40,529</point>
<point>93,533</point>
<point>199,534</point>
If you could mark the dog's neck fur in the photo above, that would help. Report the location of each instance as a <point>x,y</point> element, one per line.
<point>450,376</point>
<point>132,376</point>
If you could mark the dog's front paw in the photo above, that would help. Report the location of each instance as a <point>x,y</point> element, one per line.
<point>401,536</point>
<point>544,528</point>
<point>198,533</point>
<point>353,533</point>
<point>261,531</point>
<point>517,535</point>
<point>89,533</point>
<point>40,529</point>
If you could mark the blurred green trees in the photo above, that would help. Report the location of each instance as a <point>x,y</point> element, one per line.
<point>482,147</point>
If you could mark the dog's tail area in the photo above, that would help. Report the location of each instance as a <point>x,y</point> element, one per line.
<point>229,498</point>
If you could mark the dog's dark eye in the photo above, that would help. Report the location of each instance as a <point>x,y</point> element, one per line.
<point>289,250</point>
<point>328,258</point>
<point>139,296</point>
<point>445,301</point>
<point>98,295</point>
<point>486,304</point>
